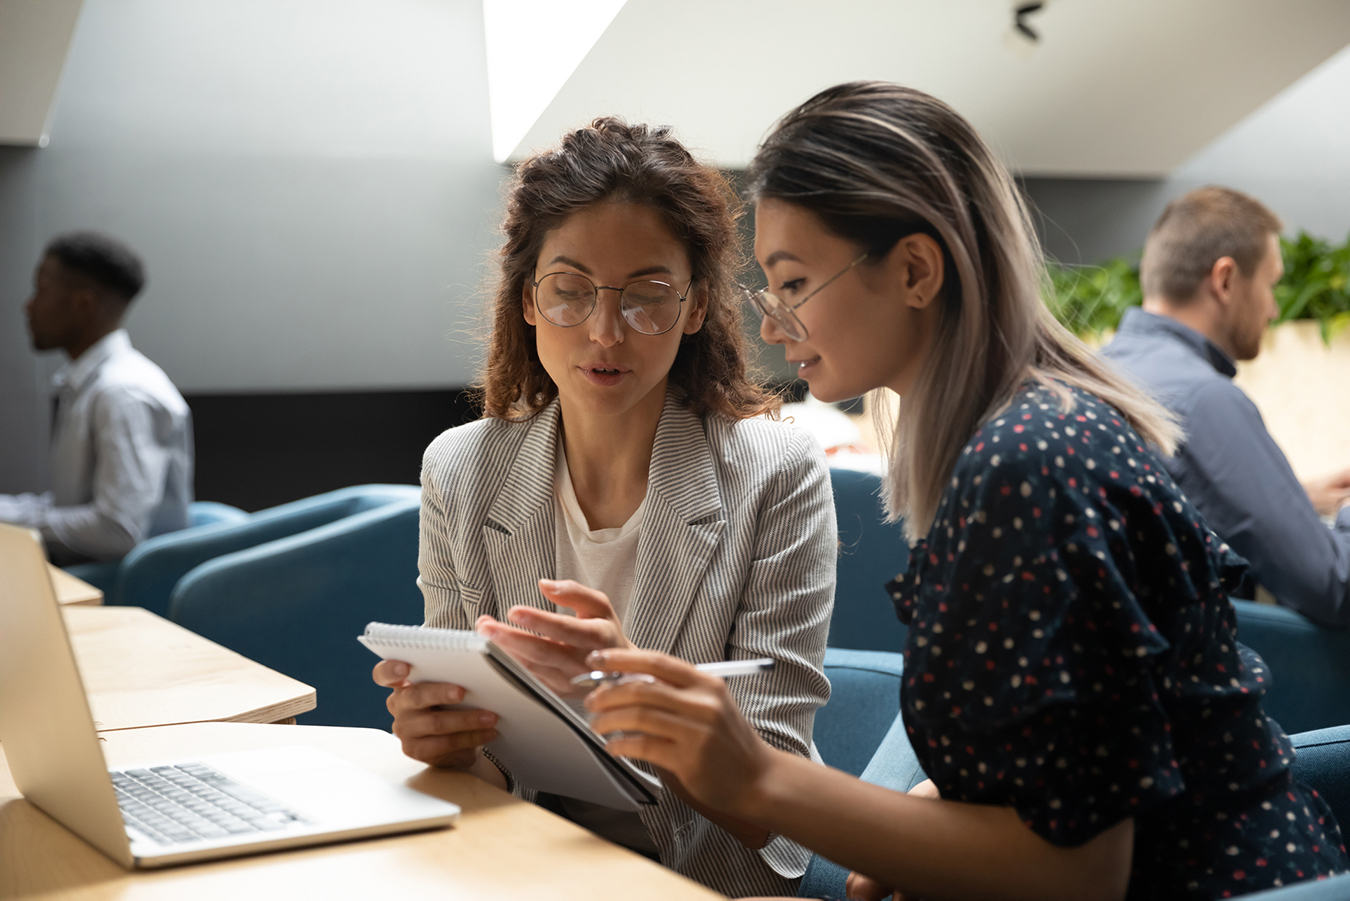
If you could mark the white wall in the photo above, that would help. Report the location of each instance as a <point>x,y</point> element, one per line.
<point>1293,154</point>
<point>310,183</point>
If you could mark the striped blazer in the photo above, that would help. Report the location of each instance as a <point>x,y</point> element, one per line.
<point>735,560</point>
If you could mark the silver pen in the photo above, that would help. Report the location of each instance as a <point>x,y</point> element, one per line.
<point>724,669</point>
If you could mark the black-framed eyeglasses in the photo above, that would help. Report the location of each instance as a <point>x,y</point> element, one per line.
<point>770,305</point>
<point>567,299</point>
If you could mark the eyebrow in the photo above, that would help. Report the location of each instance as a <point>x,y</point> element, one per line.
<point>779,255</point>
<point>650,270</point>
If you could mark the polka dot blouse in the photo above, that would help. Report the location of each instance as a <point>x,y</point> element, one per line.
<point>1072,653</point>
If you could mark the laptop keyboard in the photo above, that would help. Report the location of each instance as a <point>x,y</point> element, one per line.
<point>191,802</point>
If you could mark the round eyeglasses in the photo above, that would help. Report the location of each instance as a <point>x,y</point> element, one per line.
<point>567,299</point>
<point>771,306</point>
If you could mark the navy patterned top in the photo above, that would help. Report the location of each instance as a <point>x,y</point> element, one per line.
<point>1072,654</point>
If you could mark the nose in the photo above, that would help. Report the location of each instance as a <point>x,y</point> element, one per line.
<point>607,322</point>
<point>770,331</point>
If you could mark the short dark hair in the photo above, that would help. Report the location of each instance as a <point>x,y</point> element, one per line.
<point>107,262</point>
<point>1197,230</point>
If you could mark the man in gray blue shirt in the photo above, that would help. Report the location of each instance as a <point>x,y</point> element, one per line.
<point>1208,273</point>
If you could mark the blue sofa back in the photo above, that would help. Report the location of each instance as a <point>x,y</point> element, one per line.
<point>149,573</point>
<point>298,603</point>
<point>1309,666</point>
<point>871,553</point>
<point>864,701</point>
<point>860,731</point>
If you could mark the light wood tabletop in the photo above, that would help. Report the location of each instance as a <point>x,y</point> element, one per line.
<point>502,848</point>
<point>73,591</point>
<point>140,670</point>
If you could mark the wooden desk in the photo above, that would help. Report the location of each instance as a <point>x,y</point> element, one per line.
<point>73,591</point>
<point>140,670</point>
<point>502,849</point>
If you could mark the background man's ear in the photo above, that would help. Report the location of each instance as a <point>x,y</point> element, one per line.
<point>1221,278</point>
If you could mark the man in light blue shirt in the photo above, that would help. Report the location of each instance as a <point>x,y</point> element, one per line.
<point>1208,273</point>
<point>121,455</point>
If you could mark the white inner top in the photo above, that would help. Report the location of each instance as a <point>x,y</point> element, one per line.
<point>603,559</point>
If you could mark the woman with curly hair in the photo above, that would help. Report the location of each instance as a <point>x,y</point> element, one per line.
<point>625,471</point>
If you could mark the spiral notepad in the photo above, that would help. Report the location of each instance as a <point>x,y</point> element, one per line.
<point>543,741</point>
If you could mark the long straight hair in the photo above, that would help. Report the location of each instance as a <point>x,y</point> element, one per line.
<point>875,161</point>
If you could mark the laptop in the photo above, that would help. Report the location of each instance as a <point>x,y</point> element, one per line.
<point>164,812</point>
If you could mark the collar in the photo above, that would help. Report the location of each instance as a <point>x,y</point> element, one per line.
<point>77,373</point>
<point>1142,323</point>
<point>682,470</point>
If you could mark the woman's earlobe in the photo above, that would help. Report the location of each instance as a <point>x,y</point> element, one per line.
<point>698,314</point>
<point>527,304</point>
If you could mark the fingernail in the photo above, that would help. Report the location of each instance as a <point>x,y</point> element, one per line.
<point>401,670</point>
<point>486,718</point>
<point>550,584</point>
<point>596,658</point>
<point>455,694</point>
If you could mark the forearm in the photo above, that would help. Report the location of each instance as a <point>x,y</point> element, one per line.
<point>931,849</point>
<point>88,531</point>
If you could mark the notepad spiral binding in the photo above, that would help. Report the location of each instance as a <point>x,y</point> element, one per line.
<point>425,637</point>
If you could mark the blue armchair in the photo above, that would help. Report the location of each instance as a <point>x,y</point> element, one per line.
<point>298,603</point>
<point>1309,666</point>
<point>149,573</point>
<point>860,731</point>
<point>871,553</point>
<point>103,576</point>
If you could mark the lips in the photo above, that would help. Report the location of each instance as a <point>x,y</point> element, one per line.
<point>604,374</point>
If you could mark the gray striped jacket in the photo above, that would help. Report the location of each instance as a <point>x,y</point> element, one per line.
<point>735,560</point>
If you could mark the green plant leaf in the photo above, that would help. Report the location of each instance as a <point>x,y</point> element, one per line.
<point>1090,300</point>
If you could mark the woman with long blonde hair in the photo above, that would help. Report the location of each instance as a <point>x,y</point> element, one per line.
<point>1073,685</point>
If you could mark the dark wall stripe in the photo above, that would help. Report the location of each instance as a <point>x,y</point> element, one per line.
<point>259,450</point>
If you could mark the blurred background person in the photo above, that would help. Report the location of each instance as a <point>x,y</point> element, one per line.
<point>1208,275</point>
<point>121,448</point>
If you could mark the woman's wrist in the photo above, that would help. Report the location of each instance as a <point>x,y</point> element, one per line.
<point>761,799</point>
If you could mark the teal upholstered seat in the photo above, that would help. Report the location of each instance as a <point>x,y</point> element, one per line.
<point>297,604</point>
<point>149,573</point>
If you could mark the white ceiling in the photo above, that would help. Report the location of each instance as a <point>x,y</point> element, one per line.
<point>1115,88</point>
<point>34,35</point>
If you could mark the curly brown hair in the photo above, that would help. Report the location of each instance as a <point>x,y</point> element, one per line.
<point>610,160</point>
